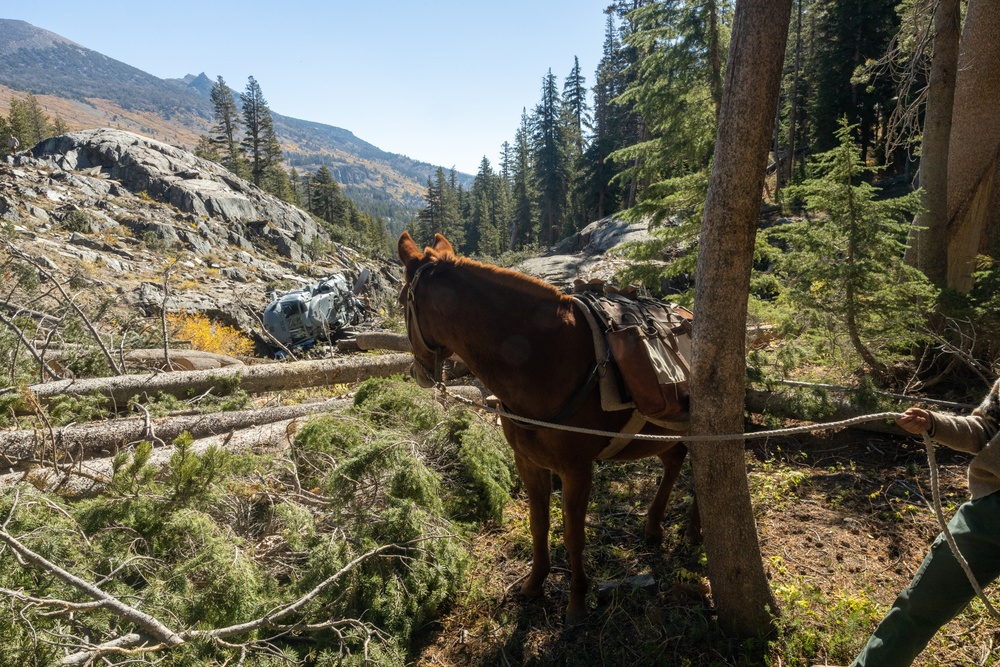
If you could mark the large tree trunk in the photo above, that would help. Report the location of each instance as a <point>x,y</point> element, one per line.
<point>932,240</point>
<point>742,596</point>
<point>973,182</point>
<point>268,377</point>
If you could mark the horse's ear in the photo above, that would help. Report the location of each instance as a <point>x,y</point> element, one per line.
<point>408,251</point>
<point>441,245</point>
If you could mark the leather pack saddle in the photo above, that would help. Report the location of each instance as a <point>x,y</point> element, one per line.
<point>643,349</point>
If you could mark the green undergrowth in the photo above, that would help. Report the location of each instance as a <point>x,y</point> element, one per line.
<point>371,511</point>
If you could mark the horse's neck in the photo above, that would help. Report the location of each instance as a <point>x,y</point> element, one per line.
<point>509,333</point>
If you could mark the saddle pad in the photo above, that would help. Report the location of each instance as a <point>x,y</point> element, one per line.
<point>613,396</point>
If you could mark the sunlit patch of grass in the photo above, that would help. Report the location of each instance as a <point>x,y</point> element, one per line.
<point>817,623</point>
<point>775,485</point>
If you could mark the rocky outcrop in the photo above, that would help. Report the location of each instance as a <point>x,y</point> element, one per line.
<point>585,255</point>
<point>222,208</point>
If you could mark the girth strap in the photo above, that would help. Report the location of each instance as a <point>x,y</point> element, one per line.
<point>634,425</point>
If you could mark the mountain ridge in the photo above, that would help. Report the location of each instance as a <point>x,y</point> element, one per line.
<point>88,89</point>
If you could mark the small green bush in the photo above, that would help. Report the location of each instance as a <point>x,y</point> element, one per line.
<point>70,409</point>
<point>77,221</point>
<point>486,474</point>
<point>388,401</point>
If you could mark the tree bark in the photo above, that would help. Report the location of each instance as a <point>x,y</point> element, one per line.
<point>268,377</point>
<point>745,603</point>
<point>383,340</point>
<point>973,183</point>
<point>932,240</point>
<point>20,448</point>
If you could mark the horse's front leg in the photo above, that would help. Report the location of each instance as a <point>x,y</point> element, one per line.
<point>538,484</point>
<point>575,495</point>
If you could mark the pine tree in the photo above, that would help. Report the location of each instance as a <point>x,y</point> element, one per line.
<point>599,189</point>
<point>28,121</point>
<point>225,132</point>
<point>674,89</point>
<point>441,215</point>
<point>5,132</point>
<point>522,226</point>
<point>551,161</point>
<point>506,160</point>
<point>487,231</point>
<point>298,187</point>
<point>277,183</point>
<point>325,199</point>
<point>207,149</point>
<point>59,126</point>
<point>260,143</point>
<point>845,265</point>
<point>574,104</point>
<point>575,120</point>
<point>38,121</point>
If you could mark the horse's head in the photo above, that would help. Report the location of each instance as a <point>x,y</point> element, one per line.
<point>428,355</point>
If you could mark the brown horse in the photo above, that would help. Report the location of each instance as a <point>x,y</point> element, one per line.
<point>531,346</point>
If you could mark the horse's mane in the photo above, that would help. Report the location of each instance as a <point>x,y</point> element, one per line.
<point>506,278</point>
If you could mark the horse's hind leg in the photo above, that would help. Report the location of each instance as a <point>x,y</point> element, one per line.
<point>538,484</point>
<point>575,494</point>
<point>672,460</point>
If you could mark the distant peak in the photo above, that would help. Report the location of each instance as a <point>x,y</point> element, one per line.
<point>200,83</point>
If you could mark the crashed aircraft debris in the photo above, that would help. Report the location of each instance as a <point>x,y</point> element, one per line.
<point>323,311</point>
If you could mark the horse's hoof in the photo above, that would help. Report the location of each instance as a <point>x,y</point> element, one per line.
<point>532,591</point>
<point>693,535</point>
<point>574,618</point>
<point>653,537</point>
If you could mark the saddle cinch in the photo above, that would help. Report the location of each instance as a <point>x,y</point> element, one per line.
<point>646,344</point>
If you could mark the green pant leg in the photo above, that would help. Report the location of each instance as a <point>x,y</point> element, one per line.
<point>940,588</point>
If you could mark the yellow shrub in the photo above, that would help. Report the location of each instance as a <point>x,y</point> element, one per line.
<point>207,335</point>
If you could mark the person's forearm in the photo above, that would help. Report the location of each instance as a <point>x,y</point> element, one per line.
<point>966,434</point>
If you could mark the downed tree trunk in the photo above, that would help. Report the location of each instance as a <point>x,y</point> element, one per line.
<point>91,476</point>
<point>383,340</point>
<point>781,405</point>
<point>181,360</point>
<point>252,379</point>
<point>20,448</point>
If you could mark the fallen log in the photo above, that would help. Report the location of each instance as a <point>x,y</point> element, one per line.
<point>180,360</point>
<point>252,379</point>
<point>86,478</point>
<point>20,448</point>
<point>782,405</point>
<point>348,345</point>
<point>383,340</point>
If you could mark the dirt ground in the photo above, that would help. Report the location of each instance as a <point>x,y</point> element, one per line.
<point>842,527</point>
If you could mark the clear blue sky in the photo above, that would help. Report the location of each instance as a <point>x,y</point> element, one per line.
<point>442,81</point>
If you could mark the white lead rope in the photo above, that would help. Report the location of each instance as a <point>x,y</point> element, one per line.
<point>810,428</point>
<point>756,435</point>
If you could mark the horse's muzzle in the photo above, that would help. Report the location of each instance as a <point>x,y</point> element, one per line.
<point>420,376</point>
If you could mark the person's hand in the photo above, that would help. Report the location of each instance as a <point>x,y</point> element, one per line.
<point>915,421</point>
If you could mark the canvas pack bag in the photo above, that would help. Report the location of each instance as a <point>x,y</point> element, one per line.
<point>650,344</point>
